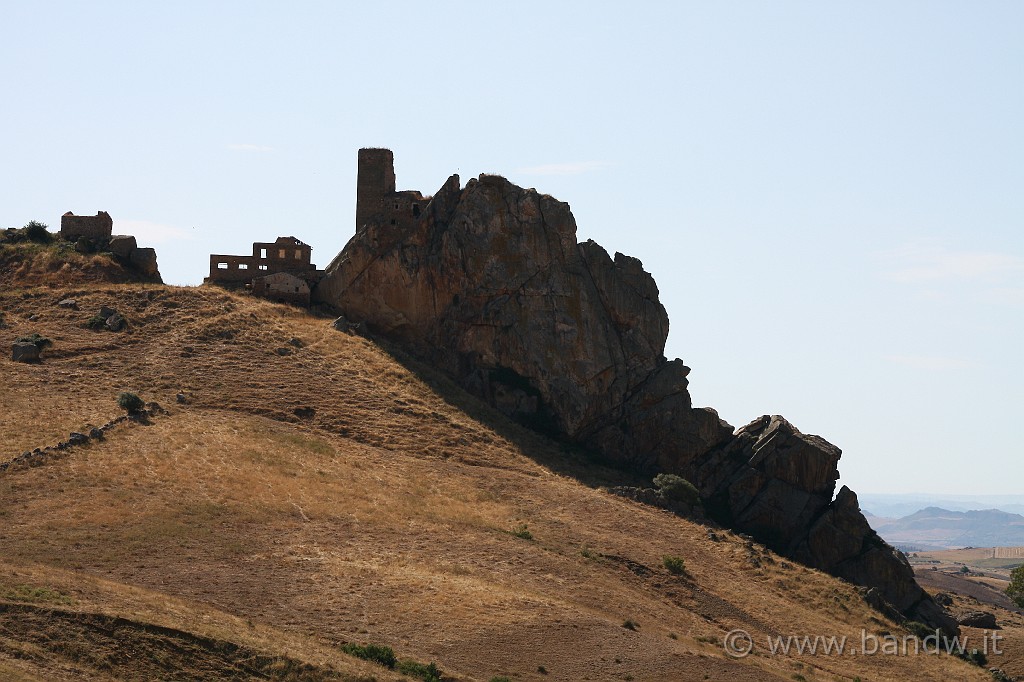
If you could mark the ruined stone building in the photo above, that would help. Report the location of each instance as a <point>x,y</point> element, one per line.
<point>99,226</point>
<point>280,271</point>
<point>376,197</point>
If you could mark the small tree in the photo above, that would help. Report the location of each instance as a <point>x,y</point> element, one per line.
<point>1016,588</point>
<point>675,565</point>
<point>677,489</point>
<point>37,232</point>
<point>130,403</point>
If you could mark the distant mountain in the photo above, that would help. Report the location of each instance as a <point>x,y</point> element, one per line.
<point>899,505</point>
<point>938,527</point>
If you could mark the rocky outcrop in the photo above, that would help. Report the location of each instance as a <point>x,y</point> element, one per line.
<point>489,284</point>
<point>777,484</point>
<point>979,619</point>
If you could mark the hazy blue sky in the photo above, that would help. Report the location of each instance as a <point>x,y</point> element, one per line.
<point>829,194</point>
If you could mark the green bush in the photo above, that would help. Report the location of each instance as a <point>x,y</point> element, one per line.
<point>41,342</point>
<point>1015,590</point>
<point>918,629</point>
<point>37,232</point>
<point>677,489</point>
<point>521,531</point>
<point>630,624</point>
<point>382,655</point>
<point>675,565</point>
<point>130,403</point>
<point>427,672</point>
<point>500,678</point>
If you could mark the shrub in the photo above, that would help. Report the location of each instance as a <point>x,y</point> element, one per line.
<point>918,629</point>
<point>382,655</point>
<point>630,624</point>
<point>428,673</point>
<point>97,321</point>
<point>521,531</point>
<point>976,657</point>
<point>130,403</point>
<point>1015,590</point>
<point>37,232</point>
<point>675,565</point>
<point>676,488</point>
<point>40,342</point>
<point>500,678</point>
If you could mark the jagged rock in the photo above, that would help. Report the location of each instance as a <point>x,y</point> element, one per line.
<point>96,433</point>
<point>295,341</point>
<point>68,303</point>
<point>106,312</point>
<point>77,438</point>
<point>489,284</point>
<point>122,245</point>
<point>25,352</point>
<point>978,619</point>
<point>770,480</point>
<point>943,599</point>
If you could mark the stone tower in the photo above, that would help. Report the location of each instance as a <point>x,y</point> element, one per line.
<point>376,182</point>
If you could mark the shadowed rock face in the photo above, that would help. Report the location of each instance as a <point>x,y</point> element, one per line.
<point>489,284</point>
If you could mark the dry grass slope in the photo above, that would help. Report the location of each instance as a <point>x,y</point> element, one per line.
<point>318,492</point>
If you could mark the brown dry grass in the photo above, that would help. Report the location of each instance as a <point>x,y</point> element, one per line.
<point>384,517</point>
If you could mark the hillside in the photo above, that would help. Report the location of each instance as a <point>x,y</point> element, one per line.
<point>316,488</point>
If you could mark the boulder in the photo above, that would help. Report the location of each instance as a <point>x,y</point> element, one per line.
<point>25,352</point>
<point>144,260</point>
<point>106,312</point>
<point>122,245</point>
<point>68,303</point>
<point>978,619</point>
<point>77,438</point>
<point>115,322</point>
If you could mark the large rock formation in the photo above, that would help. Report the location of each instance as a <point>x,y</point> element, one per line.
<point>488,283</point>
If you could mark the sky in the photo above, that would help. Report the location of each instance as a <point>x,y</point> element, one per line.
<point>828,194</point>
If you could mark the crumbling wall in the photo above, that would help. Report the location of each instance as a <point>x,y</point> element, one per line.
<point>236,269</point>
<point>99,226</point>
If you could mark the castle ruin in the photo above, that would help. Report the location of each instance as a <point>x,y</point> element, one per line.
<point>281,270</point>
<point>73,227</point>
<point>377,200</point>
